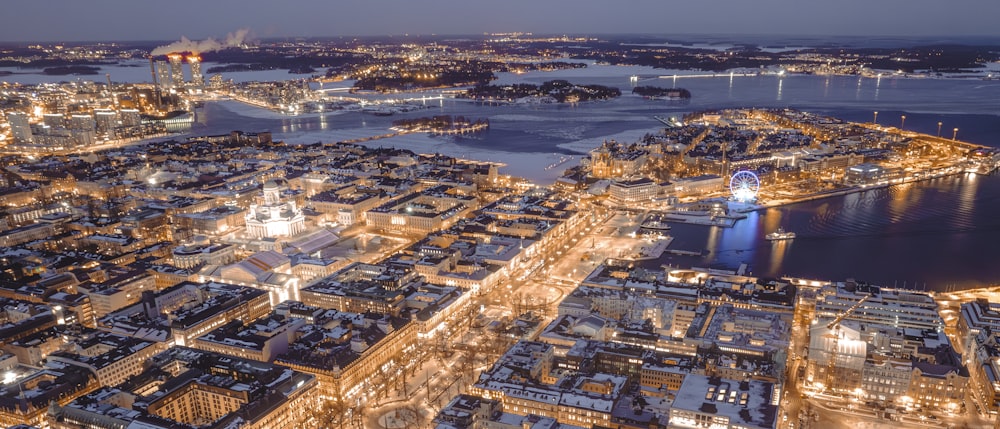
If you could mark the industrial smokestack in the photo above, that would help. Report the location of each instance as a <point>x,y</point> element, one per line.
<point>152,70</point>
<point>156,85</point>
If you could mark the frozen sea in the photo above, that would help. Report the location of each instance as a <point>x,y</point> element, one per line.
<point>937,234</point>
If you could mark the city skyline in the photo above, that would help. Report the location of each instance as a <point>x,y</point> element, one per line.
<point>112,20</point>
<point>495,216</point>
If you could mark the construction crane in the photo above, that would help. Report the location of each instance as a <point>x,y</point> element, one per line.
<point>836,321</point>
<point>835,326</point>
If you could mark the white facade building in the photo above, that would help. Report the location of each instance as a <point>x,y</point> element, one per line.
<point>272,218</point>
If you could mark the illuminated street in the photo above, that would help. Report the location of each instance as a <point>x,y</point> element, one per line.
<point>363,216</point>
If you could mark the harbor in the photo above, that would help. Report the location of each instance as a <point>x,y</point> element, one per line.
<point>655,250</point>
<point>941,212</point>
<point>697,218</point>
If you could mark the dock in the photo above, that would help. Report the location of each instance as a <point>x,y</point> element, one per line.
<point>683,252</point>
<point>656,250</point>
<point>700,219</point>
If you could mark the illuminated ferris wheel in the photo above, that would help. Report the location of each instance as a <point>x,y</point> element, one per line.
<point>744,186</point>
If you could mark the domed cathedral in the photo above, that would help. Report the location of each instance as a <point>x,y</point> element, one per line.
<point>272,217</point>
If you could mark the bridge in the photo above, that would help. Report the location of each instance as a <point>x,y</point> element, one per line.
<point>636,79</point>
<point>670,123</point>
<point>327,90</point>
<point>362,98</point>
<point>677,76</point>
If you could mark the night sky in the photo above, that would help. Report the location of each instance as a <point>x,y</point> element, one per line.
<point>75,20</point>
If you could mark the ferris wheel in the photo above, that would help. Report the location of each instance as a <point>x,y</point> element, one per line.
<point>744,186</point>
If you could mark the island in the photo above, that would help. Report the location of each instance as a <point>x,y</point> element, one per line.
<point>441,124</point>
<point>560,91</point>
<point>71,69</point>
<point>657,93</point>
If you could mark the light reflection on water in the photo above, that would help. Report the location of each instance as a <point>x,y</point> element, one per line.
<point>942,232</point>
<point>778,250</point>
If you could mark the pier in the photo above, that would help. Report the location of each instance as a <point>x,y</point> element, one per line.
<point>656,250</point>
<point>683,252</point>
<point>703,219</point>
<point>676,76</point>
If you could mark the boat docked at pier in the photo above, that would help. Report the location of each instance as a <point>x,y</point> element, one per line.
<point>655,223</point>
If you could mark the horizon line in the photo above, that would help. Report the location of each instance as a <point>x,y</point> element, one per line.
<point>996,37</point>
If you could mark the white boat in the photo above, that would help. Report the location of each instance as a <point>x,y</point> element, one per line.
<point>780,234</point>
<point>656,224</point>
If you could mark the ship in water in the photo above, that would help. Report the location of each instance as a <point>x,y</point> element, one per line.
<point>983,160</point>
<point>780,234</point>
<point>655,223</point>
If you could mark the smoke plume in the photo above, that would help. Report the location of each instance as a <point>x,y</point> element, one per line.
<point>232,40</point>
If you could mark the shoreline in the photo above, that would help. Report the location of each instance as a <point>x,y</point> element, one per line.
<point>848,191</point>
<point>134,71</point>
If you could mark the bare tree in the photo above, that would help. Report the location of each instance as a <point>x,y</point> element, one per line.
<point>330,414</point>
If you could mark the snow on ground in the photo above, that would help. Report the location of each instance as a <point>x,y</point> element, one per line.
<point>540,168</point>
